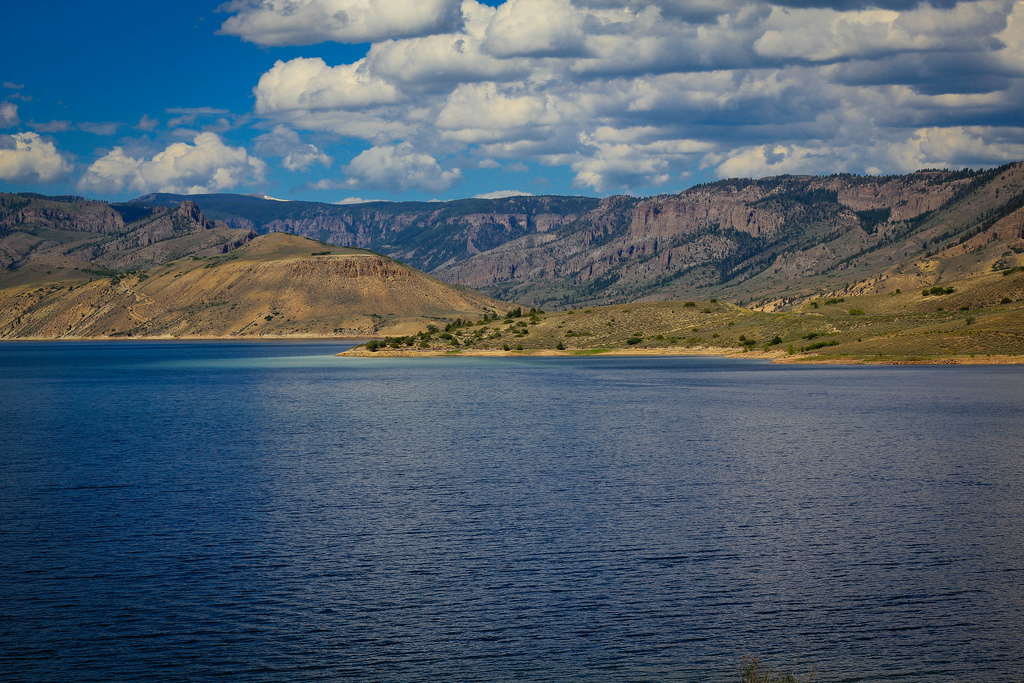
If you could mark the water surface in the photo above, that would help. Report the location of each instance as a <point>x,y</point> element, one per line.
<point>267,511</point>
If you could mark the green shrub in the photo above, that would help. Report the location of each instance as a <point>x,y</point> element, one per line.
<point>633,341</point>
<point>560,346</point>
<point>937,291</point>
<point>753,671</point>
<point>820,345</point>
<point>1005,300</point>
<point>690,304</point>
<point>856,311</point>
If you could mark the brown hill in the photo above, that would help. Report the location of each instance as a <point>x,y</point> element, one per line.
<point>278,285</point>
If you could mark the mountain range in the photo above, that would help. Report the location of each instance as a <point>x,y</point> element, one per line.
<point>771,243</point>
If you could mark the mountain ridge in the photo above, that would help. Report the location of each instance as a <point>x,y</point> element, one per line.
<point>770,242</point>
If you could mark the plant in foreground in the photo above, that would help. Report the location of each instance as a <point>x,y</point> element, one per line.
<point>753,671</point>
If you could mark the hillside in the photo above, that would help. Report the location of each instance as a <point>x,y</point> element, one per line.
<point>79,231</point>
<point>772,243</point>
<point>973,320</point>
<point>274,286</point>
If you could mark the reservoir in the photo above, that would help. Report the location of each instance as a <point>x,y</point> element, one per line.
<point>245,511</point>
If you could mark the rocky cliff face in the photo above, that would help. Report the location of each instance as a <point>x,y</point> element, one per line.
<point>17,212</point>
<point>716,237</point>
<point>35,228</point>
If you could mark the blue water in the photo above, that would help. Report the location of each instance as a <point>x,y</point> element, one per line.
<point>268,512</point>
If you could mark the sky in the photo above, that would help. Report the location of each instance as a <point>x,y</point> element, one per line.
<point>353,100</point>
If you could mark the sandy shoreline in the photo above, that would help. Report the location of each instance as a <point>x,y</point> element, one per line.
<point>710,352</point>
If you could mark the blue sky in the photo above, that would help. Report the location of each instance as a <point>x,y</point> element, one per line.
<point>348,100</point>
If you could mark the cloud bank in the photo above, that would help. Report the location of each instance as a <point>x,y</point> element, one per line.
<point>206,165</point>
<point>642,93</point>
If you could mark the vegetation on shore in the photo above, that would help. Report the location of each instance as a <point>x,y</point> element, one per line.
<point>979,318</point>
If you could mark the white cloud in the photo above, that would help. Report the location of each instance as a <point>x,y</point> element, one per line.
<point>633,93</point>
<point>305,22</point>
<point>768,160</point>
<point>483,112</point>
<point>207,165</point>
<point>536,28</point>
<point>354,200</point>
<point>956,146</point>
<point>502,194</point>
<point>824,35</point>
<point>305,84</point>
<point>8,115</point>
<point>449,58</point>
<point>296,155</point>
<point>26,157</point>
<point>624,166</point>
<point>399,169</point>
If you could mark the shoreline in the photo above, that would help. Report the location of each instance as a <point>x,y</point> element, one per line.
<point>780,357</point>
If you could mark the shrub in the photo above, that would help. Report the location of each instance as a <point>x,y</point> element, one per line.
<point>560,346</point>
<point>776,340</point>
<point>1005,300</point>
<point>753,671</point>
<point>372,345</point>
<point>830,302</point>
<point>820,345</point>
<point>937,291</point>
<point>856,311</point>
<point>633,341</point>
<point>519,347</point>
<point>690,304</point>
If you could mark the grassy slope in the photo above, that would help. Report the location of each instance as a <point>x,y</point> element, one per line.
<point>895,327</point>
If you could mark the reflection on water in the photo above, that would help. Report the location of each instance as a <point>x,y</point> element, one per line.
<point>271,512</point>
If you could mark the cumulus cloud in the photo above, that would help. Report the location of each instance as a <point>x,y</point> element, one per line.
<point>305,84</point>
<point>206,165</point>
<point>26,157</point>
<point>305,22</point>
<point>8,115</point>
<point>635,94</point>
<point>768,160</point>
<point>296,155</point>
<point>516,32</point>
<point>399,169</point>
<point>957,146</point>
